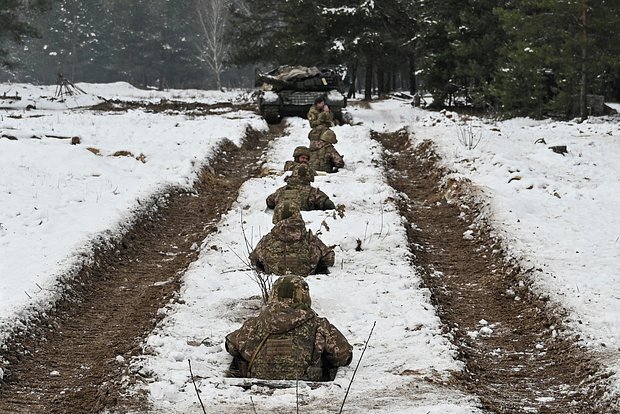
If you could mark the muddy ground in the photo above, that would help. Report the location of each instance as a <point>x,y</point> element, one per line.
<point>74,358</point>
<point>173,107</point>
<point>523,361</point>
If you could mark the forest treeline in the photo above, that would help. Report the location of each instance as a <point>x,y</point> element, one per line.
<point>520,57</point>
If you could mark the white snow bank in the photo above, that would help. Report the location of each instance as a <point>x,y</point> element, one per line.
<point>56,199</point>
<point>408,360</point>
<point>44,96</point>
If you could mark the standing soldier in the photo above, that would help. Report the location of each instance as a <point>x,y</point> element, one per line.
<point>288,340</point>
<point>323,155</point>
<point>315,111</point>
<point>289,248</point>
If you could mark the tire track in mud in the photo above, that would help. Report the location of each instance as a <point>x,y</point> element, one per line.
<point>520,361</point>
<point>75,358</point>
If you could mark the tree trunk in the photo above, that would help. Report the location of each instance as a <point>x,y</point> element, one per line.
<point>583,101</point>
<point>368,80</point>
<point>353,80</point>
<point>413,87</point>
<point>380,81</point>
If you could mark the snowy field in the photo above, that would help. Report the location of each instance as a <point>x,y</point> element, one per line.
<point>58,199</point>
<point>408,361</point>
<point>557,214</point>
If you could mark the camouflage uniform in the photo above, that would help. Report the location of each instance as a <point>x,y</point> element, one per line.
<point>304,196</point>
<point>293,165</point>
<point>313,116</point>
<point>300,193</point>
<point>288,340</point>
<point>291,249</point>
<point>325,157</point>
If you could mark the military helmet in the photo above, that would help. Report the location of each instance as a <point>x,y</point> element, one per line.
<point>292,290</point>
<point>329,136</point>
<point>299,151</point>
<point>300,175</point>
<point>285,210</point>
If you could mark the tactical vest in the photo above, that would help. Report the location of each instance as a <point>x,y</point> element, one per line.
<point>297,195</point>
<point>287,355</point>
<point>320,161</point>
<point>291,257</point>
<point>316,132</point>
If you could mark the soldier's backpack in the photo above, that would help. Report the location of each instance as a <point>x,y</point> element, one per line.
<point>296,195</point>
<point>292,257</point>
<point>316,132</point>
<point>320,160</point>
<point>287,355</point>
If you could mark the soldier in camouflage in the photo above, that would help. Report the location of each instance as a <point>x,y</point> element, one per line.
<point>323,156</point>
<point>301,156</point>
<point>287,340</point>
<point>300,193</point>
<point>289,248</point>
<point>315,111</point>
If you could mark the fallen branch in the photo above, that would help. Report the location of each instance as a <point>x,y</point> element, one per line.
<point>15,97</point>
<point>356,367</point>
<point>195,387</point>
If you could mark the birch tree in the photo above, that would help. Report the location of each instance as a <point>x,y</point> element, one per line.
<point>213,47</point>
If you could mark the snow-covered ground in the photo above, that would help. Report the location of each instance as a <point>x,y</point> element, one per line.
<point>44,96</point>
<point>57,199</point>
<point>557,214</point>
<point>408,360</point>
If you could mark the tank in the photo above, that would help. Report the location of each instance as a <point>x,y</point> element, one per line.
<point>291,90</point>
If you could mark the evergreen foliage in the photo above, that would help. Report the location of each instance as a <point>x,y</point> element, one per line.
<point>525,57</point>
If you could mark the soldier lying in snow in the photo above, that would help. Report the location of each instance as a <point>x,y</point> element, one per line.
<point>289,248</point>
<point>301,156</point>
<point>287,340</point>
<point>300,193</point>
<point>323,155</point>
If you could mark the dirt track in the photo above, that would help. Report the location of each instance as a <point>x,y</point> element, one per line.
<point>74,359</point>
<point>522,362</point>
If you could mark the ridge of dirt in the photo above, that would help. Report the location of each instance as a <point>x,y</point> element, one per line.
<point>75,358</point>
<point>172,106</point>
<point>518,356</point>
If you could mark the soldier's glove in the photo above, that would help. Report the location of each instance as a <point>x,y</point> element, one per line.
<point>329,205</point>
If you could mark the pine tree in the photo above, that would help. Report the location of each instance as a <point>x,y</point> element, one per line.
<point>16,24</point>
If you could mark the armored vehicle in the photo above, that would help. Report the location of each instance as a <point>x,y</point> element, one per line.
<point>291,90</point>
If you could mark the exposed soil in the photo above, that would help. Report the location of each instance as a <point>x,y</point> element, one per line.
<point>174,107</point>
<point>73,360</point>
<point>523,361</point>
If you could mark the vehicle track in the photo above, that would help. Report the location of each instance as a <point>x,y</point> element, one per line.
<point>522,361</point>
<point>75,359</point>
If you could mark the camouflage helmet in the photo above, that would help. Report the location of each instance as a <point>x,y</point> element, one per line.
<point>284,210</point>
<point>292,290</point>
<point>329,136</point>
<point>300,175</point>
<point>299,151</point>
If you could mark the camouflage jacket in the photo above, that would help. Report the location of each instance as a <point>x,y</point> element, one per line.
<point>324,157</point>
<point>305,197</point>
<point>313,116</point>
<point>289,342</point>
<point>320,118</point>
<point>291,249</point>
